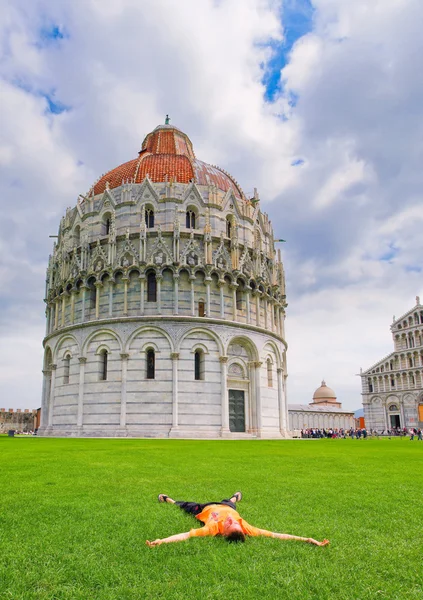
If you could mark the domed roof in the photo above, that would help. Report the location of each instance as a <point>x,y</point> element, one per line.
<point>166,154</point>
<point>324,393</point>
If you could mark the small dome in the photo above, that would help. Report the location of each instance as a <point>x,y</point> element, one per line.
<point>167,154</point>
<point>324,393</point>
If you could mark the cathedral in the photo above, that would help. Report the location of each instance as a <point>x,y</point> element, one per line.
<point>165,305</point>
<point>392,389</point>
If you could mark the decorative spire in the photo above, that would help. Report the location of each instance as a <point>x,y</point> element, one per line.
<point>418,300</point>
<point>167,120</point>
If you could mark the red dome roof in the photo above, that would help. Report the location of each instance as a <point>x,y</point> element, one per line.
<point>167,154</point>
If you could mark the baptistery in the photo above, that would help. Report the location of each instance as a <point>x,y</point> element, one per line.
<point>165,305</point>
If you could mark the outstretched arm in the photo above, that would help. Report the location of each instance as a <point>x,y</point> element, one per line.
<point>285,536</point>
<point>179,537</point>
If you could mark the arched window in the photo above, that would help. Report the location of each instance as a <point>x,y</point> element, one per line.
<point>370,384</point>
<point>66,368</point>
<point>190,219</point>
<point>108,225</point>
<point>269,373</point>
<point>77,235</point>
<point>151,287</point>
<point>151,364</point>
<point>201,309</point>
<point>239,299</point>
<point>198,365</point>
<point>103,365</point>
<point>228,227</point>
<point>91,292</point>
<point>149,218</point>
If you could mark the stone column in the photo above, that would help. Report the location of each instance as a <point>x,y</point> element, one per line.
<point>222,299</point>
<point>265,306</point>
<point>257,378</point>
<point>72,315</point>
<point>63,308</point>
<point>51,398</point>
<point>98,285</point>
<point>233,287</point>
<point>45,398</point>
<point>159,293</point>
<point>175,293</point>
<point>257,308</point>
<point>84,293</point>
<point>124,358</point>
<point>175,357</point>
<point>281,402</point>
<point>80,416</point>
<point>403,424</point>
<point>142,293</point>
<point>125,295</point>
<point>208,307</point>
<point>56,313</point>
<point>111,286</point>
<point>224,394</point>
<point>192,279</point>
<point>247,302</point>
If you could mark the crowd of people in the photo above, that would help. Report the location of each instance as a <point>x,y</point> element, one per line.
<point>360,433</point>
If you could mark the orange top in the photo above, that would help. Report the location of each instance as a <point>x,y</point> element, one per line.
<point>214,516</point>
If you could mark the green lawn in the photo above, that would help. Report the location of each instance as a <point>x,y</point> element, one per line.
<point>75,514</point>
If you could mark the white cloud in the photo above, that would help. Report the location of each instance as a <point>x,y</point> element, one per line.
<point>357,124</point>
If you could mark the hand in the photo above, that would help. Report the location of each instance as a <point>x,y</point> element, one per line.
<point>316,543</point>
<point>155,543</point>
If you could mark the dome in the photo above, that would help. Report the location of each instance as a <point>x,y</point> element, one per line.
<point>324,393</point>
<point>167,154</point>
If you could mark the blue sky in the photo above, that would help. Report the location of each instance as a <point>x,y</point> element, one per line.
<point>329,133</point>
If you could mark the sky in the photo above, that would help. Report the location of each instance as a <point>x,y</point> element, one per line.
<point>317,103</point>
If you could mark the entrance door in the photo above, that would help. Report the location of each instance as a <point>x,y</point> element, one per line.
<point>236,410</point>
<point>395,421</point>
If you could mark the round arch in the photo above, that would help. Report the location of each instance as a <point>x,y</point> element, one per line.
<point>60,341</point>
<point>246,343</point>
<point>145,328</point>
<point>208,332</point>
<point>97,332</point>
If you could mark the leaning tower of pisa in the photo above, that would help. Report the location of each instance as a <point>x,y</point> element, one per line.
<point>165,305</point>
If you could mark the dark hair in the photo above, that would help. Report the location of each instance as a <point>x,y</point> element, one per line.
<point>236,536</point>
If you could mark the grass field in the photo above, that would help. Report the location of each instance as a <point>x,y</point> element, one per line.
<point>75,514</point>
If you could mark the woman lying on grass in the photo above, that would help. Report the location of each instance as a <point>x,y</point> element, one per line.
<point>221,518</point>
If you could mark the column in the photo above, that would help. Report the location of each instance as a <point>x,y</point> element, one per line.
<point>281,402</point>
<point>272,315</point>
<point>247,302</point>
<point>63,308</point>
<point>124,358</point>
<point>265,307</point>
<point>192,279</point>
<point>175,293</point>
<point>98,285</point>
<point>403,424</point>
<point>56,313</point>
<point>257,308</point>
<point>45,398</point>
<point>82,362</point>
<point>175,357</point>
<point>233,287</point>
<point>385,417</point>
<point>72,315</point>
<point>84,293</point>
<point>159,293</point>
<point>222,299</point>
<point>208,307</point>
<point>125,295</point>
<point>257,366</point>
<point>142,296</point>
<point>224,394</point>
<point>51,398</point>
<point>111,286</point>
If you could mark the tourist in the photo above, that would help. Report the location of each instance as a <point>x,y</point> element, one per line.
<point>222,518</point>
